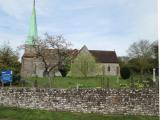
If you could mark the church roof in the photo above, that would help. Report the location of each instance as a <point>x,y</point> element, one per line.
<point>104,56</point>
<point>100,56</point>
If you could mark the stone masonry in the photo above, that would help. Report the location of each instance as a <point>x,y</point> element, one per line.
<point>103,101</point>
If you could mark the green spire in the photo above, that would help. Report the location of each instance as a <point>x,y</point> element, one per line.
<point>32,35</point>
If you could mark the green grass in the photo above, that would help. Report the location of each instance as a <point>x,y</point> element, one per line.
<point>71,82</point>
<point>88,82</point>
<point>8,113</point>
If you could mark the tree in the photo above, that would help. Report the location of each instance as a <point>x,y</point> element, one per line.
<point>83,65</point>
<point>142,52</point>
<point>133,65</point>
<point>59,47</point>
<point>9,60</point>
<point>125,72</point>
<point>155,50</point>
<point>65,68</point>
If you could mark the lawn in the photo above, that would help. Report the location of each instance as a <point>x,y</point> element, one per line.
<point>88,82</point>
<point>8,113</point>
<point>71,82</point>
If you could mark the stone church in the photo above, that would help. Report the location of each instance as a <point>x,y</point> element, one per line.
<point>32,66</point>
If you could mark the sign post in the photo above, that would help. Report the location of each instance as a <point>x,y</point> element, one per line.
<point>6,76</point>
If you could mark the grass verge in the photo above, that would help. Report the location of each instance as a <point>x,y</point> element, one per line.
<point>11,113</point>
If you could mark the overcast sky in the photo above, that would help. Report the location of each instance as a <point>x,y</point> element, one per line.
<point>99,24</point>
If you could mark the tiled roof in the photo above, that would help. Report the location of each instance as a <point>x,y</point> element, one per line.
<point>100,56</point>
<point>104,56</point>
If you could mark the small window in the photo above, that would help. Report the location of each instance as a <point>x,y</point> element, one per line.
<point>109,68</point>
<point>117,70</point>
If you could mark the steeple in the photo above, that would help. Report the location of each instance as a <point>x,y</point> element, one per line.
<point>32,35</point>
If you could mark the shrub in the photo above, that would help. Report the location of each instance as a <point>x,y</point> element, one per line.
<point>123,85</point>
<point>125,72</point>
<point>150,81</point>
<point>16,78</point>
<point>139,85</point>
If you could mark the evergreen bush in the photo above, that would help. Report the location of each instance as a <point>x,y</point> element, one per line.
<point>125,72</point>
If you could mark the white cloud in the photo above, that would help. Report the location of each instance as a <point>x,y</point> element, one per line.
<point>12,39</point>
<point>20,8</point>
<point>146,28</point>
<point>85,4</point>
<point>103,29</point>
<point>15,9</point>
<point>94,42</point>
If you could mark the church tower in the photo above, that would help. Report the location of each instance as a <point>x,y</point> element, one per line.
<point>32,34</point>
<point>28,59</point>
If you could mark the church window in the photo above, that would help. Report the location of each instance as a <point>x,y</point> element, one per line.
<point>117,70</point>
<point>109,68</point>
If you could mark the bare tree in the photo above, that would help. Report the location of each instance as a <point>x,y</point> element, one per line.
<point>143,48</point>
<point>51,48</point>
<point>142,51</point>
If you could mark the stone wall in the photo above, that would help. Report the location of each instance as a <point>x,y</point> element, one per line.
<point>104,101</point>
<point>114,69</point>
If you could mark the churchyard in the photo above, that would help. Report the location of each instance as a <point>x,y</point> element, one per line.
<point>53,81</point>
<point>82,82</point>
<point>87,82</point>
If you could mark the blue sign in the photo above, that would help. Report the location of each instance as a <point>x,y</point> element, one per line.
<point>6,76</point>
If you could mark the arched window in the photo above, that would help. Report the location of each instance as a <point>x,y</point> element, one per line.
<point>109,68</point>
<point>117,70</point>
